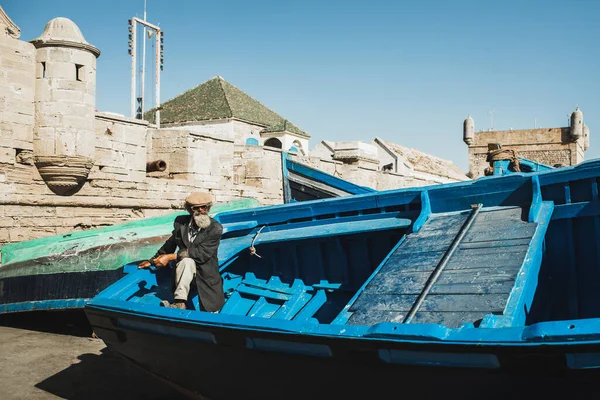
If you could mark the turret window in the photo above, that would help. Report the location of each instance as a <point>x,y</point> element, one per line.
<point>79,72</point>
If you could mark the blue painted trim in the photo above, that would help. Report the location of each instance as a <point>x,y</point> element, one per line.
<point>310,349</point>
<point>425,211</point>
<point>534,166</point>
<point>586,332</point>
<point>312,306</point>
<point>583,360</point>
<point>268,294</point>
<point>536,201</point>
<point>327,179</point>
<point>566,331</point>
<point>523,291</point>
<point>582,209</point>
<point>239,226</point>
<point>462,360</point>
<point>182,333</point>
<point>334,228</point>
<point>287,191</point>
<point>501,167</point>
<point>43,305</point>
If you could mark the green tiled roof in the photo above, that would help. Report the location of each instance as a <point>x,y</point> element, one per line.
<point>218,99</point>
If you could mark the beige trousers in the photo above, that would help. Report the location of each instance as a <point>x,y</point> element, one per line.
<point>185,272</point>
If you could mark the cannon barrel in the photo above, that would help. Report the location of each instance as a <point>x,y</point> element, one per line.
<point>158,165</point>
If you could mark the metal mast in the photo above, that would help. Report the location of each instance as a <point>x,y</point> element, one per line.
<point>143,86</point>
<point>159,62</point>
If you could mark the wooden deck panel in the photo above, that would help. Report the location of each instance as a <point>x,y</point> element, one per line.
<point>476,281</point>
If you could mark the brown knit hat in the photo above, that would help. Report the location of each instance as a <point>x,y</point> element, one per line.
<point>198,199</point>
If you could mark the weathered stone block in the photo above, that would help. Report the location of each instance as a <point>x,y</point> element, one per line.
<point>4,237</point>
<point>67,95</point>
<point>49,120</point>
<point>22,234</point>
<point>57,70</point>
<point>17,118</point>
<point>7,155</point>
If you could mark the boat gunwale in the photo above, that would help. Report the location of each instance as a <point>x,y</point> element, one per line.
<point>535,335</point>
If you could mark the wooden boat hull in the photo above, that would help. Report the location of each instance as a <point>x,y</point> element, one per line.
<point>487,288</point>
<point>227,368</point>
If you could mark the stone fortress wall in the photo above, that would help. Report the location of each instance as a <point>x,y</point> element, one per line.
<point>66,167</point>
<point>551,146</point>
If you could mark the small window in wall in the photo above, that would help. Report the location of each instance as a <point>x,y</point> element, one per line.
<point>251,142</point>
<point>293,149</point>
<point>43,73</point>
<point>79,72</point>
<point>273,142</point>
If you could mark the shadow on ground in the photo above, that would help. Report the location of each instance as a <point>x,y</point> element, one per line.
<point>67,322</point>
<point>40,343</point>
<point>106,376</point>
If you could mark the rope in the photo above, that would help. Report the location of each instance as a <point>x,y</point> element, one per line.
<point>252,248</point>
<point>504,154</point>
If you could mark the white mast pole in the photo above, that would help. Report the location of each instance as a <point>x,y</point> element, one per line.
<point>133,66</point>
<point>158,36</point>
<point>143,63</point>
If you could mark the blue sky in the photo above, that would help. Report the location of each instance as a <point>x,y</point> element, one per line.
<point>407,71</point>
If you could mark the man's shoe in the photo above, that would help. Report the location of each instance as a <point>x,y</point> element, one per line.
<point>178,304</point>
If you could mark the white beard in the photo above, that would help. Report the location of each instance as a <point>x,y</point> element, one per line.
<point>202,220</point>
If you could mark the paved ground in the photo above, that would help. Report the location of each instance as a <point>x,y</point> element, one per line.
<point>52,355</point>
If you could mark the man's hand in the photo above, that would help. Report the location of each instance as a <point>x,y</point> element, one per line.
<point>144,264</point>
<point>164,259</point>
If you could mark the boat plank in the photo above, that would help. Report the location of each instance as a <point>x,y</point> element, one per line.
<point>504,230</point>
<point>434,302</point>
<point>451,319</point>
<point>462,259</point>
<point>441,243</point>
<point>332,229</point>
<point>445,222</point>
<point>312,306</point>
<point>472,281</point>
<point>291,307</point>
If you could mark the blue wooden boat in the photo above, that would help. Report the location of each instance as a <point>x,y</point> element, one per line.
<point>302,183</point>
<point>487,289</point>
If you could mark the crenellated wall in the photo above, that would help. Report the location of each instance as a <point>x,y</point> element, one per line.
<point>550,146</point>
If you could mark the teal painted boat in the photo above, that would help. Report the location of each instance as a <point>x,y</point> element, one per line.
<point>64,271</point>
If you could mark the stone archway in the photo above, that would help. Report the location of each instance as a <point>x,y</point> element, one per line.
<point>274,142</point>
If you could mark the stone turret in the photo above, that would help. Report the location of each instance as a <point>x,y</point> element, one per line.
<point>586,137</point>
<point>576,124</point>
<point>65,96</point>
<point>468,130</point>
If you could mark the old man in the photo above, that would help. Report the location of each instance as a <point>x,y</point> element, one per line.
<point>196,238</point>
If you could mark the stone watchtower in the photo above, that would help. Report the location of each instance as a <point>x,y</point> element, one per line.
<point>65,96</point>
<point>550,146</point>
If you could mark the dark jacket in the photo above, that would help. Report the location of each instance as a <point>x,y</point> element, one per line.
<point>203,250</point>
